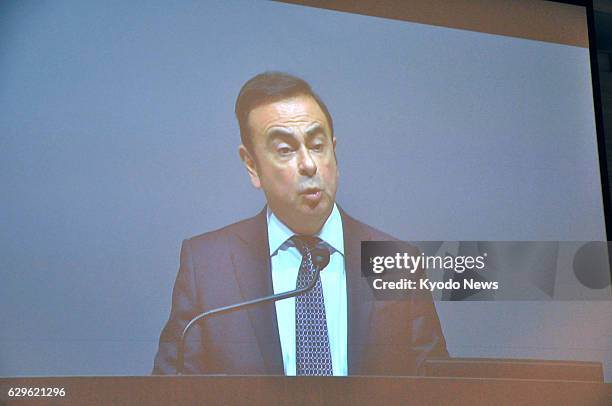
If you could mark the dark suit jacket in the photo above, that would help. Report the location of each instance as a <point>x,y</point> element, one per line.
<point>232,265</point>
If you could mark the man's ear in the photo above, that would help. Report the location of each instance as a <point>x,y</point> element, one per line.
<point>335,157</point>
<point>249,164</point>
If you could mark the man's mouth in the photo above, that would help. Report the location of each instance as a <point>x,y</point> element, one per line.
<point>312,195</point>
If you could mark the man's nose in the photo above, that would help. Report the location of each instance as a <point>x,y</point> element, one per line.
<point>306,164</point>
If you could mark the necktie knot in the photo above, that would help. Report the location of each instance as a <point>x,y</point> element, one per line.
<point>305,243</point>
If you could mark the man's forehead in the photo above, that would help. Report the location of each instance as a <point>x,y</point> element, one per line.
<point>301,111</point>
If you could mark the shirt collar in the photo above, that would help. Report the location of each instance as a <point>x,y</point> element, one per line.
<point>331,232</point>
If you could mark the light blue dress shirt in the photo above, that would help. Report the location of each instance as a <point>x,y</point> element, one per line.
<point>285,260</point>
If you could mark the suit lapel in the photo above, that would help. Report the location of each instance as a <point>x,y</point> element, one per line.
<point>359,295</point>
<point>251,259</point>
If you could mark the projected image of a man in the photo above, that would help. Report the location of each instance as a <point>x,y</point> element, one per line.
<point>289,152</point>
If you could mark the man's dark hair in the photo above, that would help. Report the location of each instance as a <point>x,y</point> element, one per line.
<point>270,87</point>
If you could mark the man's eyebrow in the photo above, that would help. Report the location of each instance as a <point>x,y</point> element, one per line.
<point>315,128</point>
<point>280,132</point>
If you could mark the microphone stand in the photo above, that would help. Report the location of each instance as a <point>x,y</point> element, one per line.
<point>180,356</point>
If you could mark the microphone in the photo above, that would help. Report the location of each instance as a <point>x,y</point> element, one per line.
<point>320,258</point>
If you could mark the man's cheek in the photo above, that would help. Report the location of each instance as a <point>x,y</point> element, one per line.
<point>286,181</point>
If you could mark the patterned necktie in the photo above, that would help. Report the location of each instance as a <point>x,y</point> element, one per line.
<point>312,351</point>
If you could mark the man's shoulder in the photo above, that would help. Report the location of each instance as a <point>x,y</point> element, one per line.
<point>364,231</point>
<point>255,224</point>
<point>359,231</point>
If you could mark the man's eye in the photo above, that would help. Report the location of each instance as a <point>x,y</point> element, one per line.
<point>283,150</point>
<point>317,147</point>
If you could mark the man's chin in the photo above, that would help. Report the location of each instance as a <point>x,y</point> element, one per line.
<point>305,217</point>
<point>315,216</point>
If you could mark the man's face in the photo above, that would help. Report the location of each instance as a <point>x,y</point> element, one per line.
<point>293,160</point>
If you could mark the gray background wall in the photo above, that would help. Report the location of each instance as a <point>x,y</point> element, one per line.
<point>117,140</point>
